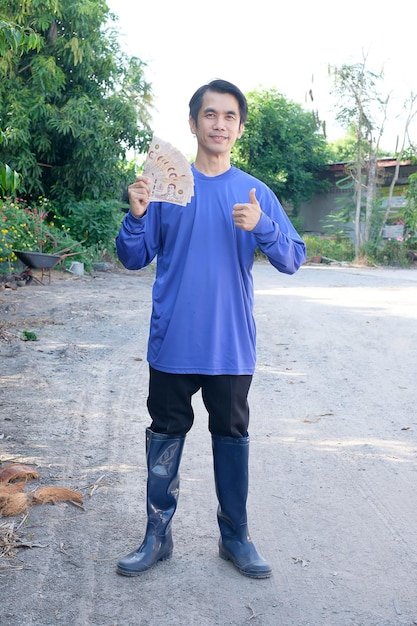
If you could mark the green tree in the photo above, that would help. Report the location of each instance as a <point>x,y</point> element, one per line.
<point>361,109</point>
<point>73,106</point>
<point>13,40</point>
<point>284,146</point>
<point>346,148</point>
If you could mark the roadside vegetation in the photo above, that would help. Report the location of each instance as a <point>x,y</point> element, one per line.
<point>73,108</point>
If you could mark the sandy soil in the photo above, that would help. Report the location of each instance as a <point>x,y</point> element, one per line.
<point>333,457</point>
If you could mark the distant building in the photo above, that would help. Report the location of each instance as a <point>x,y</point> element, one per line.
<point>321,205</point>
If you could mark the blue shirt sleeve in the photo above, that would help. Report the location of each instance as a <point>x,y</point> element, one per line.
<point>277,238</point>
<point>139,238</point>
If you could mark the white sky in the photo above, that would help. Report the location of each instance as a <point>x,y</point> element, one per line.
<point>263,45</point>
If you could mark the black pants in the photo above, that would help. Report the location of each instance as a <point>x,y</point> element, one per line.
<point>224,396</point>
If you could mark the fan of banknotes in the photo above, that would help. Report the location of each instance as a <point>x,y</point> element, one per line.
<point>170,173</point>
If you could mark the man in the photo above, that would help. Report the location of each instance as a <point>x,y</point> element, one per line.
<point>202,333</point>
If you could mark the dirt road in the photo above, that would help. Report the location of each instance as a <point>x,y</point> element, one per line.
<point>333,457</point>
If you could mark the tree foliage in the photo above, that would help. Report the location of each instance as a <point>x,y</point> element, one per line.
<point>282,145</point>
<point>9,180</point>
<point>346,148</point>
<point>71,103</point>
<point>16,40</point>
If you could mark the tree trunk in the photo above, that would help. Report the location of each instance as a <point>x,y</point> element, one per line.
<point>370,194</point>
<point>358,211</point>
<point>390,194</point>
<point>411,115</point>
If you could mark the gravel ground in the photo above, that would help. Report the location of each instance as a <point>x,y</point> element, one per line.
<point>332,501</point>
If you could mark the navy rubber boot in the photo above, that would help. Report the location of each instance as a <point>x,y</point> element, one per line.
<point>231,457</point>
<point>163,459</point>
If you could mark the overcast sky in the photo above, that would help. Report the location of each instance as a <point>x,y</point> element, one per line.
<point>258,45</point>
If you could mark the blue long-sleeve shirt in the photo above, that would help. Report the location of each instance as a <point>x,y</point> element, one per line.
<point>202,315</point>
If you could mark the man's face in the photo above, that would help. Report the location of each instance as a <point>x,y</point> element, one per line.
<point>218,123</point>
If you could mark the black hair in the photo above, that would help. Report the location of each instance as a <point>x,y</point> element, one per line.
<point>218,86</point>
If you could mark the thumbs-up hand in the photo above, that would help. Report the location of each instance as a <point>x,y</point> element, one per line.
<point>246,216</point>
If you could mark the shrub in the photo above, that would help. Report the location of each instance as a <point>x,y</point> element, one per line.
<point>95,222</point>
<point>336,248</point>
<point>25,227</point>
<point>392,252</point>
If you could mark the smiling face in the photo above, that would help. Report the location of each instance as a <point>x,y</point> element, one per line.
<point>218,123</point>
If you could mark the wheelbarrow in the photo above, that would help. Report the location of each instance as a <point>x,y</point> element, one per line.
<point>40,261</point>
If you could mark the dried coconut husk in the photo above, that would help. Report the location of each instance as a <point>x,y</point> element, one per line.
<point>56,494</point>
<point>6,490</point>
<point>17,471</point>
<point>15,504</point>
<point>11,488</point>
